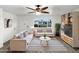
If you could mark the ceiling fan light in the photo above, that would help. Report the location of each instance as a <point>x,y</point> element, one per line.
<point>38,13</point>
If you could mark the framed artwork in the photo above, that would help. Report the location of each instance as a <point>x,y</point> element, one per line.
<point>7,23</point>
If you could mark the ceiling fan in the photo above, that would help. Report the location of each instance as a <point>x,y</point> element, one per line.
<point>38,9</point>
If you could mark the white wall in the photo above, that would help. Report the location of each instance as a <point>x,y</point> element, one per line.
<point>23,21</point>
<point>1,28</point>
<point>7,33</point>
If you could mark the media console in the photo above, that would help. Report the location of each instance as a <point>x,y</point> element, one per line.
<point>70,28</point>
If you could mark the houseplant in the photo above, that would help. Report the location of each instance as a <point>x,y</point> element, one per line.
<point>44,36</point>
<point>57,29</point>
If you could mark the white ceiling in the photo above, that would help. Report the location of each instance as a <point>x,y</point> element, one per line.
<point>53,9</point>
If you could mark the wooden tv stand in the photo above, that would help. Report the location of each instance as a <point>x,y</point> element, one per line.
<point>67,39</point>
<point>71,18</point>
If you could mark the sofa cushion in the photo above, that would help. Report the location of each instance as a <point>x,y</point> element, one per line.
<point>19,36</point>
<point>49,30</point>
<point>25,34</point>
<point>29,38</point>
<point>39,30</point>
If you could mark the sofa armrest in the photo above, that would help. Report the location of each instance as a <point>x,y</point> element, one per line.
<point>17,45</point>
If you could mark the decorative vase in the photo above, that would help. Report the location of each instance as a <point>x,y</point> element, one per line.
<point>44,36</point>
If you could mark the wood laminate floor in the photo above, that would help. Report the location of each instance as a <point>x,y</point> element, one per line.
<point>55,45</point>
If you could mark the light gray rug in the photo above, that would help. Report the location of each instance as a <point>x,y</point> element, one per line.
<point>53,42</point>
<point>54,45</point>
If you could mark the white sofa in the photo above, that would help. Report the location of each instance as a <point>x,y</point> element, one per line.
<point>21,41</point>
<point>25,36</point>
<point>42,31</point>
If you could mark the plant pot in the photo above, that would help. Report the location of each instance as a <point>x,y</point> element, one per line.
<point>57,34</point>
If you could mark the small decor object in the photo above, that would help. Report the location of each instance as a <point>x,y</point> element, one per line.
<point>44,36</point>
<point>69,18</point>
<point>7,23</point>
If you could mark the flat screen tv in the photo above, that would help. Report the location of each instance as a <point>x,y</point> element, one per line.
<point>68,29</point>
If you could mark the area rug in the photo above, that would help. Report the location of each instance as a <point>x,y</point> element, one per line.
<point>54,45</point>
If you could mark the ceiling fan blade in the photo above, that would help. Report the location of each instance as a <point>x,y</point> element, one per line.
<point>44,12</point>
<point>44,8</point>
<point>31,12</point>
<point>30,8</point>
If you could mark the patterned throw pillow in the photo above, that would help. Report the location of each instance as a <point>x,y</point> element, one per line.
<point>18,37</point>
<point>39,30</point>
<point>49,30</point>
<point>24,34</point>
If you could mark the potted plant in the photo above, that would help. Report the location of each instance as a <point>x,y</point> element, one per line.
<point>57,29</point>
<point>44,36</point>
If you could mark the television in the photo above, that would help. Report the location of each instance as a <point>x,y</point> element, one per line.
<point>68,29</point>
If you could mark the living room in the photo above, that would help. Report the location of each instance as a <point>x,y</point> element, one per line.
<point>19,24</point>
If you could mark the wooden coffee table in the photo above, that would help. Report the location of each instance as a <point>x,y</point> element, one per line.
<point>46,39</point>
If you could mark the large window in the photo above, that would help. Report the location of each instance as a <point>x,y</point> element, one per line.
<point>42,23</point>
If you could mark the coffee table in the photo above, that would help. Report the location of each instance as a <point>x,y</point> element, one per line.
<point>46,39</point>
